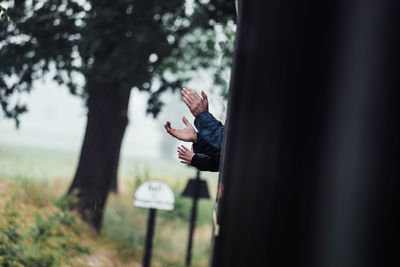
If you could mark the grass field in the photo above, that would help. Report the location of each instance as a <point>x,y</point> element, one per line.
<point>124,226</point>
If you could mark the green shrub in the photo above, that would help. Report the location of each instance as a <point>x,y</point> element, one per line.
<point>48,241</point>
<point>68,201</point>
<point>117,227</point>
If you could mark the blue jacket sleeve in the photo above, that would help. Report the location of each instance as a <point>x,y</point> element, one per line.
<point>210,129</point>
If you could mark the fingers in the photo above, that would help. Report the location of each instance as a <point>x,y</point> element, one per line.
<point>167,126</point>
<point>187,94</point>
<point>183,154</point>
<point>175,133</point>
<point>192,94</point>
<point>185,121</point>
<point>184,159</point>
<point>187,101</point>
<point>204,96</point>
<point>183,150</point>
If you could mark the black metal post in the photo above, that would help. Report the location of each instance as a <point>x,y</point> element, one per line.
<point>149,238</point>
<point>193,220</point>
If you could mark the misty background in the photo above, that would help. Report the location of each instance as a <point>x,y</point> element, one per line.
<point>56,123</point>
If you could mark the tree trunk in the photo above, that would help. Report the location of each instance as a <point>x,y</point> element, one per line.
<point>98,163</point>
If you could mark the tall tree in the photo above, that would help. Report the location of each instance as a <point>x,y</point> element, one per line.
<point>115,46</point>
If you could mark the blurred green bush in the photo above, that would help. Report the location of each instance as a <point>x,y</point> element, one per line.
<point>47,240</point>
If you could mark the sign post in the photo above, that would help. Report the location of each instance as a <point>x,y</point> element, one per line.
<point>153,195</point>
<point>149,238</point>
<point>196,188</point>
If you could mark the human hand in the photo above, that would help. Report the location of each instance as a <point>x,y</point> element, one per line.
<point>187,134</point>
<point>195,103</point>
<point>185,154</point>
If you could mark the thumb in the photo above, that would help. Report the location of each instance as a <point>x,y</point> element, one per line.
<point>185,121</point>
<point>204,95</point>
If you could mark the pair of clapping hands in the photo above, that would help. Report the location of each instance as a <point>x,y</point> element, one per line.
<point>196,105</point>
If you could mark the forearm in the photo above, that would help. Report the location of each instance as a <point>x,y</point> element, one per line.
<point>201,146</point>
<point>210,129</point>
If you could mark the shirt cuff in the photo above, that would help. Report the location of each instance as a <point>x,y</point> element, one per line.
<point>194,160</point>
<point>200,143</point>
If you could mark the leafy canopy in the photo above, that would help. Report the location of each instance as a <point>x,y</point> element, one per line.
<point>154,46</point>
<point>3,14</point>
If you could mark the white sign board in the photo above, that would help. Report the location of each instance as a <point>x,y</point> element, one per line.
<point>154,195</point>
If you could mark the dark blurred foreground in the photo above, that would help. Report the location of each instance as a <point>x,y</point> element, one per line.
<point>311,161</point>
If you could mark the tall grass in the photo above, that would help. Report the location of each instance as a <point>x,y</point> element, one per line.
<point>34,232</point>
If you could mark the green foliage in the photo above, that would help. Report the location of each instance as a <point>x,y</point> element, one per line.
<point>3,14</point>
<point>67,201</point>
<point>48,241</point>
<point>119,227</point>
<point>154,46</point>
